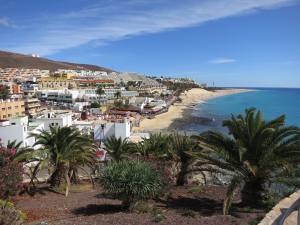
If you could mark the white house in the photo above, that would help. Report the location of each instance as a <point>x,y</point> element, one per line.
<point>55,118</point>
<point>106,130</point>
<point>19,129</point>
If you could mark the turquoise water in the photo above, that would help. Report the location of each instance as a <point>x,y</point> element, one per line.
<point>272,102</point>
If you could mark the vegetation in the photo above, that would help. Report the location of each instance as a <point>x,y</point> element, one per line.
<point>4,92</point>
<point>95,105</point>
<point>118,148</point>
<point>11,173</point>
<point>9,215</point>
<point>100,91</point>
<point>176,148</point>
<point>131,182</point>
<point>257,153</point>
<point>65,150</point>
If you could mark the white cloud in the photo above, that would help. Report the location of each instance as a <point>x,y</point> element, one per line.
<point>222,61</point>
<point>115,20</point>
<point>4,22</point>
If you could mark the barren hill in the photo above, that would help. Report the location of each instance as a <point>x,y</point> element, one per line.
<point>14,60</point>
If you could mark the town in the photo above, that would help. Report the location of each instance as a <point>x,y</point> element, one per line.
<point>98,103</point>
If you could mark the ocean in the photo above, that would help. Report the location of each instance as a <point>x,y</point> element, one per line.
<point>273,102</point>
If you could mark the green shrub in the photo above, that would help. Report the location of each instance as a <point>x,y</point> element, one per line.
<point>131,182</point>
<point>9,215</point>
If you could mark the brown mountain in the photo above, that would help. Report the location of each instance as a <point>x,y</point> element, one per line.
<point>15,60</point>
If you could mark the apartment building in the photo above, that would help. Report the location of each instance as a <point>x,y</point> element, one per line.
<point>11,108</point>
<point>9,74</point>
<point>19,129</point>
<point>32,106</point>
<point>56,83</point>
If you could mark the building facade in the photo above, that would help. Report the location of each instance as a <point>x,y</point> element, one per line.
<point>11,108</point>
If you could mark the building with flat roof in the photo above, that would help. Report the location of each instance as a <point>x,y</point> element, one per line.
<point>19,129</point>
<point>32,106</point>
<point>11,108</point>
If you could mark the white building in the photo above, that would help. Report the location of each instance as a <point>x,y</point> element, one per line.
<point>55,118</point>
<point>19,129</point>
<point>106,130</point>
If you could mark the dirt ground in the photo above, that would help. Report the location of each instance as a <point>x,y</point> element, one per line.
<point>184,205</point>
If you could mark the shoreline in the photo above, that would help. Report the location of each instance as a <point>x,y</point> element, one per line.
<point>178,111</point>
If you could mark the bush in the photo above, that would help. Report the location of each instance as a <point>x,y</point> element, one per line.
<point>10,173</point>
<point>9,215</point>
<point>95,105</point>
<point>131,182</point>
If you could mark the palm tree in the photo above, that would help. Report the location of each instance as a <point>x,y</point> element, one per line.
<point>183,149</point>
<point>118,94</point>
<point>118,148</point>
<point>65,149</point>
<point>100,91</point>
<point>156,145</point>
<point>256,153</point>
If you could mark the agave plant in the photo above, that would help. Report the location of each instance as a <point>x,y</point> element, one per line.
<point>256,153</point>
<point>131,182</point>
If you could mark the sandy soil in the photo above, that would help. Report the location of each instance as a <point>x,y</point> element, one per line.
<point>190,98</point>
<point>182,207</point>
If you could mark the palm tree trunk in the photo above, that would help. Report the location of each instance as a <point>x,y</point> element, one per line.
<point>57,176</point>
<point>181,177</point>
<point>252,193</point>
<point>68,181</point>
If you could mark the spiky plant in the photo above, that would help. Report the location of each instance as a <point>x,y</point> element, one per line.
<point>156,145</point>
<point>131,182</point>
<point>182,151</point>
<point>118,148</point>
<point>65,150</point>
<point>256,153</point>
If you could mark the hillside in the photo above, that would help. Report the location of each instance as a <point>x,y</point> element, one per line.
<point>14,60</point>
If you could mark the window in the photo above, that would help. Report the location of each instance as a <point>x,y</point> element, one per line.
<point>16,107</point>
<point>52,124</point>
<point>56,124</point>
<point>8,115</point>
<point>9,107</point>
<point>4,116</point>
<point>3,109</point>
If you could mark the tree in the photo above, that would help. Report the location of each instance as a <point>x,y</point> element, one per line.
<point>131,182</point>
<point>4,92</point>
<point>157,145</point>
<point>100,91</point>
<point>257,153</point>
<point>118,148</point>
<point>95,105</point>
<point>65,149</point>
<point>118,94</point>
<point>183,152</point>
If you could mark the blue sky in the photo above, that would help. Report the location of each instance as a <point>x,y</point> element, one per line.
<point>229,42</point>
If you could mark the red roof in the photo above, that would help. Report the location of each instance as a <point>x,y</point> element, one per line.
<point>96,81</point>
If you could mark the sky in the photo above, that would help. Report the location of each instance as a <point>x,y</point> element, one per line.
<point>242,43</point>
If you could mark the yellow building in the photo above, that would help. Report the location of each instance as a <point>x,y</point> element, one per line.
<point>56,83</point>
<point>10,109</point>
<point>32,106</point>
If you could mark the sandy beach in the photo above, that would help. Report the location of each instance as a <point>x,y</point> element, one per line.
<point>190,98</point>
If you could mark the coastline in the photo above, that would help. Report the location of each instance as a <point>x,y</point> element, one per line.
<point>177,111</point>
